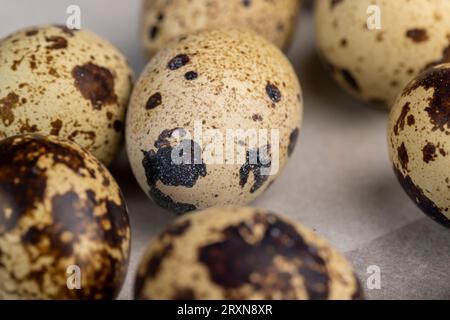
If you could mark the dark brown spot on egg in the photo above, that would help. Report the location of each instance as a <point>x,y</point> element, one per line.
<point>400,124</point>
<point>32,61</point>
<point>153,32</point>
<point>438,108</point>
<point>68,31</point>
<point>429,152</point>
<point>26,127</point>
<point>56,127</point>
<point>23,187</point>
<point>53,72</point>
<point>184,294</point>
<point>244,258</point>
<point>32,32</point>
<point>259,163</point>
<point>334,3</point>
<point>257,117</point>
<point>445,58</point>
<point>421,200</point>
<point>79,135</point>
<point>166,202</point>
<point>403,156</point>
<point>293,137</point>
<point>191,75</point>
<point>118,126</point>
<point>7,104</point>
<point>95,84</point>
<point>176,229</point>
<point>350,79</point>
<point>22,182</point>
<point>359,292</point>
<point>160,166</point>
<point>178,62</point>
<point>247,3</point>
<point>56,43</point>
<point>157,258</point>
<point>273,92</point>
<point>410,120</point>
<point>417,35</point>
<point>154,101</point>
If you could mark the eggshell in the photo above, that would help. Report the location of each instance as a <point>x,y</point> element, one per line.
<point>64,229</point>
<point>243,253</point>
<point>419,142</point>
<point>67,83</point>
<point>163,20</point>
<point>376,64</point>
<point>222,80</point>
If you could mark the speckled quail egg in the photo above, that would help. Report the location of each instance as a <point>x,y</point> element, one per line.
<point>67,83</point>
<point>164,20</point>
<point>64,229</point>
<point>243,253</point>
<point>419,142</point>
<point>372,61</point>
<point>218,99</point>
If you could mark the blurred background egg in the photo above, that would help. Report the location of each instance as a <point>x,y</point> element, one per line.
<point>373,48</point>
<point>163,20</point>
<point>67,83</point>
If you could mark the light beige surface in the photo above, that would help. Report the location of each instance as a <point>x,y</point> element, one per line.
<point>339,181</point>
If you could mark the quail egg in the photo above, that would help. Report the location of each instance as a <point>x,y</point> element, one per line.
<point>164,20</point>
<point>243,253</point>
<point>67,83</point>
<point>375,47</point>
<point>212,120</point>
<point>64,230</point>
<point>419,142</point>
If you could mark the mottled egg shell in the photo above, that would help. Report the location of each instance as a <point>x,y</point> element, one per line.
<point>67,83</point>
<point>419,142</point>
<point>228,79</point>
<point>375,65</point>
<point>243,253</point>
<point>62,218</point>
<point>164,20</point>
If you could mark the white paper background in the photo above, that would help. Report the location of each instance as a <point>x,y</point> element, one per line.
<point>339,181</point>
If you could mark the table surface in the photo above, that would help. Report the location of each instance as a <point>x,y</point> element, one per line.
<point>339,181</point>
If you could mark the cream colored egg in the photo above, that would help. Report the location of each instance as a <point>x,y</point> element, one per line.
<point>419,142</point>
<point>243,254</point>
<point>163,20</point>
<point>64,228</point>
<point>209,94</point>
<point>375,47</point>
<point>67,83</point>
